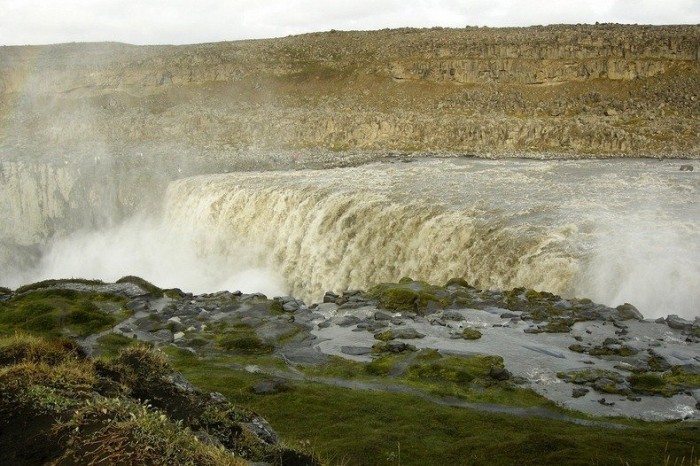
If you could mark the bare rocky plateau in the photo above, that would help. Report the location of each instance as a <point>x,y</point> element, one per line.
<point>558,91</point>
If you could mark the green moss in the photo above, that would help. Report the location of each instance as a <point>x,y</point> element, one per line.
<point>143,284</point>
<point>56,312</point>
<point>627,311</point>
<point>459,370</point>
<point>585,376</point>
<point>624,351</point>
<point>558,326</point>
<point>276,307</point>
<point>385,336</point>
<point>109,345</point>
<point>682,378</point>
<point>471,334</point>
<point>243,339</point>
<point>576,348</point>
<point>457,282</point>
<point>413,296</point>
<point>648,383</point>
<point>51,283</point>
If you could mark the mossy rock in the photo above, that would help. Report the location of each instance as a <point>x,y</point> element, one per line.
<point>5,291</point>
<point>576,348</point>
<point>558,326</point>
<point>648,383</point>
<point>683,377</point>
<point>628,312</point>
<point>55,282</point>
<point>276,307</point>
<point>413,296</point>
<point>457,282</point>
<point>57,312</point>
<point>471,334</point>
<point>588,376</point>
<point>464,370</point>
<point>623,351</point>
<point>385,336</point>
<point>145,285</point>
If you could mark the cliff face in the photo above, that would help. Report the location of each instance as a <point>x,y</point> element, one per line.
<point>605,89</point>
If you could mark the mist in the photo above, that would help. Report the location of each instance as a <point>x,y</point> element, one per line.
<point>146,247</point>
<point>651,263</point>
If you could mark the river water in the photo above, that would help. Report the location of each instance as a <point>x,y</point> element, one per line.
<point>611,230</point>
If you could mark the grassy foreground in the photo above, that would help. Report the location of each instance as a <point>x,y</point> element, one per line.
<point>355,427</point>
<point>59,407</point>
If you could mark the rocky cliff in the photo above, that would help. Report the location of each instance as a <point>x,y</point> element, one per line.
<point>569,90</point>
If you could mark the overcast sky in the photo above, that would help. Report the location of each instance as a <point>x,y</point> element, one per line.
<point>194,21</point>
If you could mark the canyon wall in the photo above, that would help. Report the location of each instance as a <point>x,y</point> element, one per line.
<point>579,90</point>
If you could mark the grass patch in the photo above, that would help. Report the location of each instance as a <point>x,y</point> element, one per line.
<point>109,345</point>
<point>55,282</point>
<point>57,312</point>
<point>360,427</point>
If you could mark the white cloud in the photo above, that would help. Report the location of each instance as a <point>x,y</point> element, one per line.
<point>186,21</point>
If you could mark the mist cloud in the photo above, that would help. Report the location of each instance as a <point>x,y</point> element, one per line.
<point>183,21</point>
<point>147,248</point>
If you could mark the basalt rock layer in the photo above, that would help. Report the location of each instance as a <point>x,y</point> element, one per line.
<point>570,90</point>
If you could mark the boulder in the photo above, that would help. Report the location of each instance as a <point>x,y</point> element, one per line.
<point>330,297</point>
<point>678,323</point>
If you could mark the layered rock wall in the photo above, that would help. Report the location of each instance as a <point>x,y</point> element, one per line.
<point>575,90</point>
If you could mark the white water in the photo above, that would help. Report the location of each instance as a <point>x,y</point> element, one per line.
<point>614,231</point>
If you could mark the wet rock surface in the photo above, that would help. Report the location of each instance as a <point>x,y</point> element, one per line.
<point>572,351</point>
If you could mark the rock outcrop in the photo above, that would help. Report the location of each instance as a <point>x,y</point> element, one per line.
<point>580,89</point>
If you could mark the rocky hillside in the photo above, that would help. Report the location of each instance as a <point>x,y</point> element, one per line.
<point>566,90</point>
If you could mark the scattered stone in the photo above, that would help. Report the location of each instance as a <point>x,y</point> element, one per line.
<point>382,315</point>
<point>578,392</point>
<point>355,350</point>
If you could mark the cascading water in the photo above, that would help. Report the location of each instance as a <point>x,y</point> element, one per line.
<point>614,231</point>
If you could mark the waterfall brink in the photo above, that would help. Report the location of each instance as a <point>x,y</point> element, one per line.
<point>611,231</point>
<point>323,239</point>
